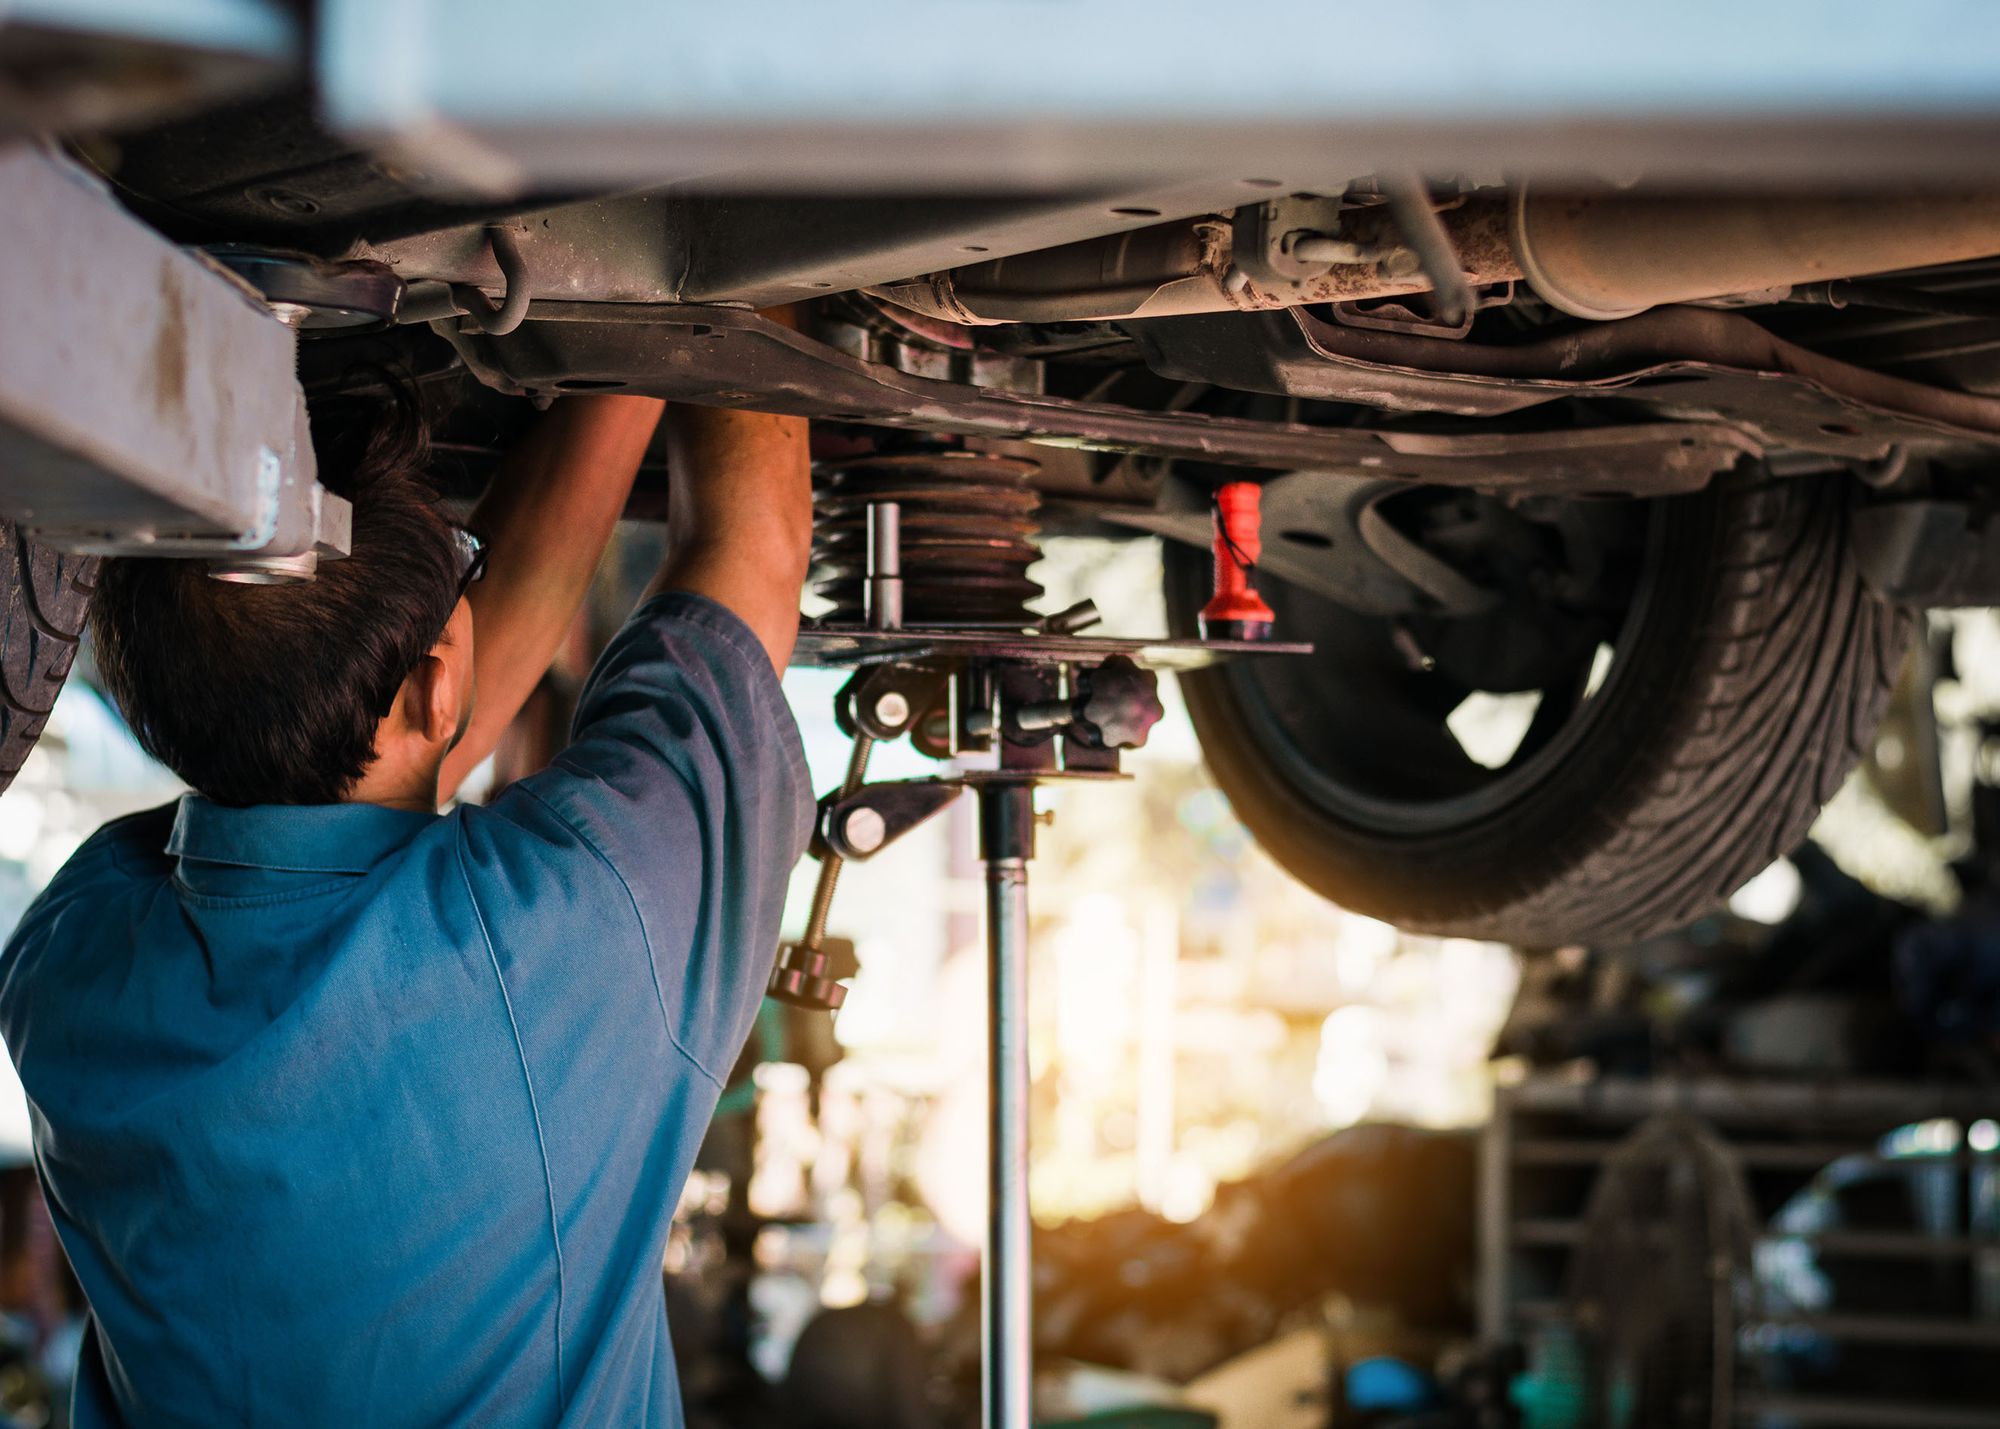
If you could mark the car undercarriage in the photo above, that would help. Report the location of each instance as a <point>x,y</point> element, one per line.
<point>1653,429</point>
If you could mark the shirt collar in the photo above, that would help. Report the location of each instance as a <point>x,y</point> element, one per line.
<point>293,838</point>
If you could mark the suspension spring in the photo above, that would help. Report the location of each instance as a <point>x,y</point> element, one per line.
<point>968,522</point>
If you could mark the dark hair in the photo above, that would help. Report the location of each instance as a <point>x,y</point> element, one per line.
<point>272,694</point>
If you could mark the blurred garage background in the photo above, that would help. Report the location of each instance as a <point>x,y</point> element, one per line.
<point>1290,1166</point>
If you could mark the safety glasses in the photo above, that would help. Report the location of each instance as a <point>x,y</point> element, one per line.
<point>471,557</point>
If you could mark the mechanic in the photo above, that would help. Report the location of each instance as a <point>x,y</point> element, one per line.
<point>352,1113</point>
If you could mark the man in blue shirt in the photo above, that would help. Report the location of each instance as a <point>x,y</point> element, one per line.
<point>350,1113</point>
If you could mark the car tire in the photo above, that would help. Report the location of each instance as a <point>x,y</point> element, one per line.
<point>1742,692</point>
<point>47,603</point>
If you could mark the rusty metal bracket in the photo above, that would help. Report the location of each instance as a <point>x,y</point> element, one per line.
<point>1284,243</point>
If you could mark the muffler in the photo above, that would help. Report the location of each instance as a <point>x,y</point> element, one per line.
<point>1613,255</point>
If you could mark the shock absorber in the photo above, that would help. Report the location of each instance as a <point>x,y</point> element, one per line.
<point>1236,611</point>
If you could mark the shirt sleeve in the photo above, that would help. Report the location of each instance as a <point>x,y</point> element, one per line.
<point>686,776</point>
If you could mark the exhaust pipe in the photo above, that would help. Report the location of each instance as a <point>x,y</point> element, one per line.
<point>1599,256</point>
<point>1175,269</point>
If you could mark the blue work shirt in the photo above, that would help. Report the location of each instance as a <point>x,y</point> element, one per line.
<point>355,1116</point>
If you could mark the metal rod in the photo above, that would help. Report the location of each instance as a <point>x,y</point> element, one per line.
<point>1410,203</point>
<point>884,590</point>
<point>830,866</point>
<point>498,319</point>
<point>1842,293</point>
<point>1006,839</point>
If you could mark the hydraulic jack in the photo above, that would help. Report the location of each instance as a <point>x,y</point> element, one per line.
<point>928,554</point>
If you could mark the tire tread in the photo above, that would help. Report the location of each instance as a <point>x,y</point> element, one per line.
<point>1759,691</point>
<point>1785,681</point>
<point>45,605</point>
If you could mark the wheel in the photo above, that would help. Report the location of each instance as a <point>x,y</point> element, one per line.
<point>47,596</point>
<point>1689,679</point>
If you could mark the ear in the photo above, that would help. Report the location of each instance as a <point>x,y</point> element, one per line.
<point>434,697</point>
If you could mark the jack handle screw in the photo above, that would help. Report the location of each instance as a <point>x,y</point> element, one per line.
<point>802,975</point>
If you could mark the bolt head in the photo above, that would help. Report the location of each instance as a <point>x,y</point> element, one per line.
<point>892,709</point>
<point>863,830</point>
<point>1401,263</point>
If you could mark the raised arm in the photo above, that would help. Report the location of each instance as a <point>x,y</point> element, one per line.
<point>546,520</point>
<point>739,521</point>
<point>686,777</point>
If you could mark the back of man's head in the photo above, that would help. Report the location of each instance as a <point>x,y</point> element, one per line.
<point>272,694</point>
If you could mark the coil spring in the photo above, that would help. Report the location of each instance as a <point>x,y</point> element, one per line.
<point>968,536</point>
